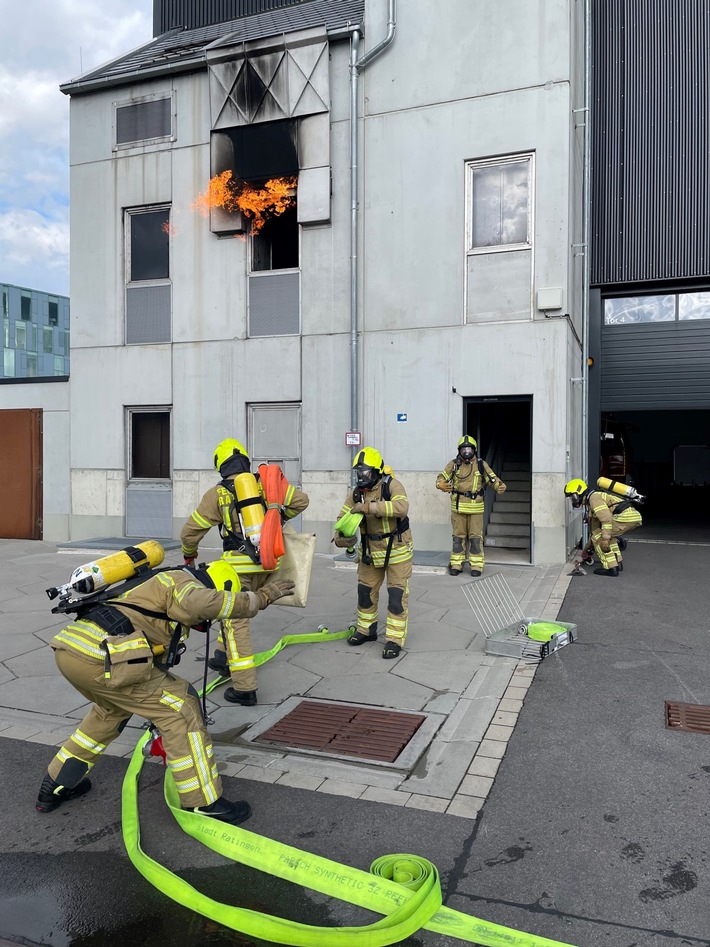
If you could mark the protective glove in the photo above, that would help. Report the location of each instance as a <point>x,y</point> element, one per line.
<point>372,508</point>
<point>358,508</point>
<point>605,544</point>
<point>273,591</point>
<point>444,486</point>
<point>343,542</point>
<point>189,561</point>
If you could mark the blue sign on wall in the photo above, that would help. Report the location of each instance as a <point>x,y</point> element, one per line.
<point>401,417</point>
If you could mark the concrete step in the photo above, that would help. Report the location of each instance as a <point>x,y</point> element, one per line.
<point>508,516</point>
<point>518,465</point>
<point>510,506</point>
<point>513,496</point>
<point>516,476</point>
<point>508,542</point>
<point>508,529</point>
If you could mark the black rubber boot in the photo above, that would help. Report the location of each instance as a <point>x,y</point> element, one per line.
<point>476,572</point>
<point>52,795</point>
<point>245,698</point>
<point>391,650</point>
<point>453,571</point>
<point>218,662</point>
<point>357,638</point>
<point>621,567</point>
<point>623,543</point>
<point>612,573</point>
<point>226,811</point>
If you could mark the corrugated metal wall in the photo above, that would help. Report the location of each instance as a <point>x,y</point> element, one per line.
<point>189,14</point>
<point>650,140</point>
<point>661,365</point>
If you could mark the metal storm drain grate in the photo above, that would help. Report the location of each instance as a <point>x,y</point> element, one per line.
<point>344,730</point>
<point>692,718</point>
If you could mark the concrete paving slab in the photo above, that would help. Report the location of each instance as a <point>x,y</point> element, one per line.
<point>469,721</point>
<point>384,690</point>
<point>438,636</point>
<point>441,769</point>
<point>491,680</point>
<point>437,671</point>
<point>27,657</point>
<point>29,693</point>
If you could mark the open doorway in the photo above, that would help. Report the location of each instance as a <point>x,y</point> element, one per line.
<point>502,426</point>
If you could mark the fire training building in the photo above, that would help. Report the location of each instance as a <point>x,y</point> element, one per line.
<point>293,223</point>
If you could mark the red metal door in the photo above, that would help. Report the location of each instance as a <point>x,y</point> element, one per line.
<point>21,473</point>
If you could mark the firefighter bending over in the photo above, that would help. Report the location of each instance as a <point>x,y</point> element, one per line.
<point>118,657</point>
<point>386,550</point>
<point>609,518</point>
<point>466,478</point>
<point>228,507</point>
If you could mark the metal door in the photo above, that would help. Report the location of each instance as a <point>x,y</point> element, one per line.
<point>21,473</point>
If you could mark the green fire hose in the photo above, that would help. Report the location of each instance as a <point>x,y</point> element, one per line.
<point>405,889</point>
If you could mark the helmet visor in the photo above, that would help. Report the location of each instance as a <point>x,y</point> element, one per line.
<point>466,452</point>
<point>576,500</point>
<point>366,476</point>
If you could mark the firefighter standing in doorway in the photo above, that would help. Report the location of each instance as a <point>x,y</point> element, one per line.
<point>466,478</point>
<point>219,507</point>
<point>386,550</point>
<point>609,517</point>
<point>119,656</point>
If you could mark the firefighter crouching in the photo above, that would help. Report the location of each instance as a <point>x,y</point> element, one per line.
<point>113,655</point>
<point>609,518</point>
<point>466,478</point>
<point>220,506</point>
<point>386,550</point>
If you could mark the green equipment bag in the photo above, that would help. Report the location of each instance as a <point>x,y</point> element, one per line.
<point>543,630</point>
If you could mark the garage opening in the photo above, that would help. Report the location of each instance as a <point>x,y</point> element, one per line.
<point>666,456</point>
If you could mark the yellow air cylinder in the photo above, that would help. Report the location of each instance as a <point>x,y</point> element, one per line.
<point>116,567</point>
<point>620,489</point>
<point>250,506</point>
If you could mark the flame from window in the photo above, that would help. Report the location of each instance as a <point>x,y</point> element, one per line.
<point>258,204</point>
<point>169,228</point>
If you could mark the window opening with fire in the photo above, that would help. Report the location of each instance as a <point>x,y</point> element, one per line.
<point>257,178</point>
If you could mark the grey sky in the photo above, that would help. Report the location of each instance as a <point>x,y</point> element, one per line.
<point>45,43</point>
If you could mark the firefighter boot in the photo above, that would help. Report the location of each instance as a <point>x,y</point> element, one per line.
<point>218,662</point>
<point>245,698</point>
<point>391,650</point>
<point>623,543</point>
<point>453,571</point>
<point>612,573</point>
<point>51,794</point>
<point>357,637</point>
<point>226,811</point>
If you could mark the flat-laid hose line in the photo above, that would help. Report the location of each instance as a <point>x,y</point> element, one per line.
<point>405,889</point>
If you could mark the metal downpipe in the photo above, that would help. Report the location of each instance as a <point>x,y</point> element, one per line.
<point>356,67</point>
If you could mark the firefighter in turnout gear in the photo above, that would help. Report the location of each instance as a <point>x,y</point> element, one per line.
<point>466,478</point>
<point>385,551</point>
<point>237,519</point>
<point>118,655</point>
<point>609,517</point>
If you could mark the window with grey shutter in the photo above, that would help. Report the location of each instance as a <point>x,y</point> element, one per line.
<point>144,121</point>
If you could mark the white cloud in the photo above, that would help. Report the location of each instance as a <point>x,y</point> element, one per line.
<point>46,44</point>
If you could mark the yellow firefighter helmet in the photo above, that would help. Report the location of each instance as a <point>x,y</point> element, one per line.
<point>369,467</point>
<point>467,441</point>
<point>226,449</point>
<point>576,489</point>
<point>224,576</point>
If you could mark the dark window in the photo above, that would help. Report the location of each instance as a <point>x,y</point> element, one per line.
<point>275,246</point>
<point>53,313</point>
<point>150,245</point>
<point>25,307</point>
<point>150,445</point>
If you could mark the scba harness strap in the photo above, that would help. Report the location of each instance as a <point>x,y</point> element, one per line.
<point>471,495</point>
<point>402,525</point>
